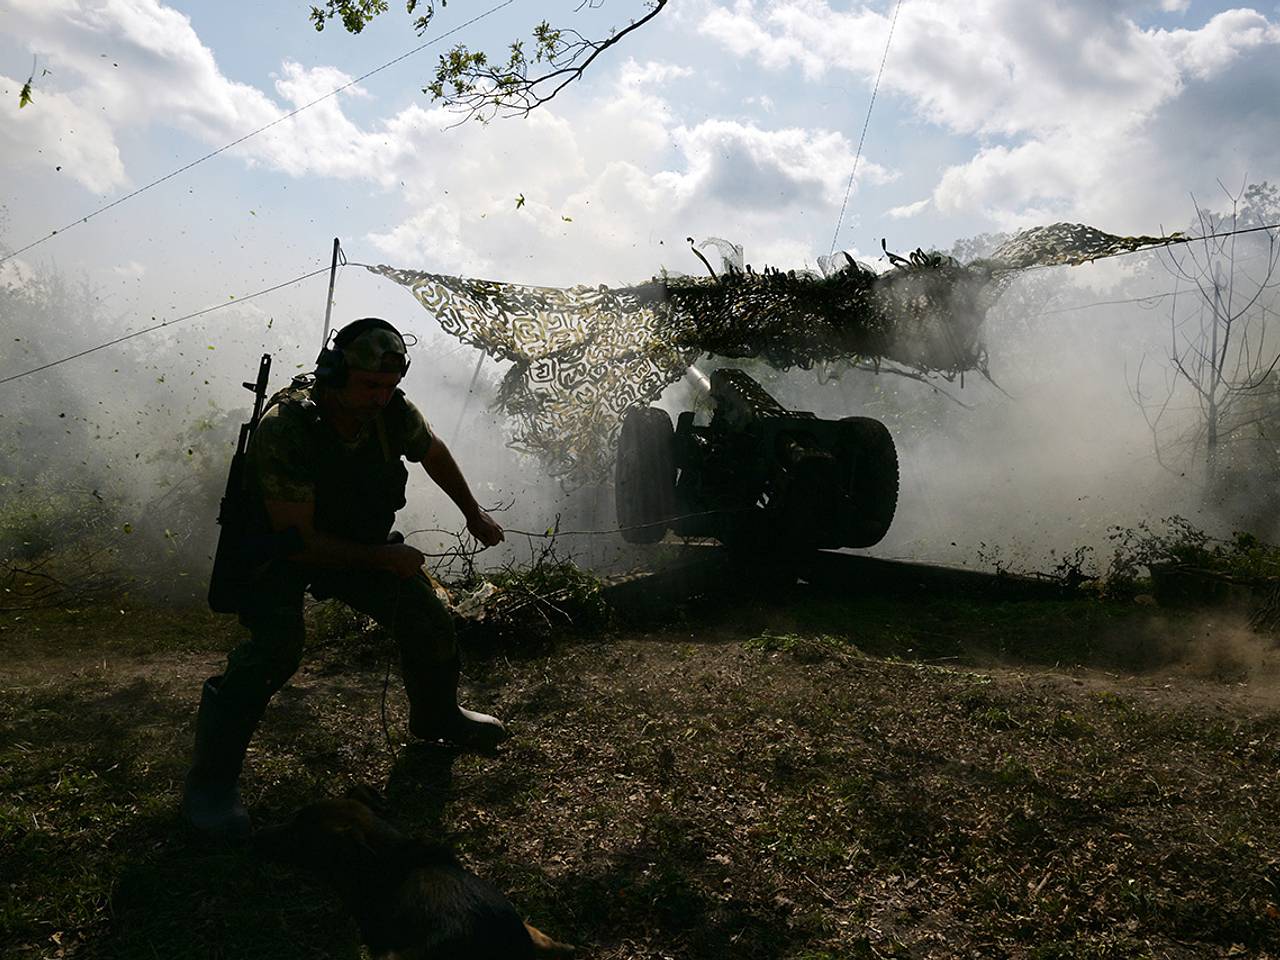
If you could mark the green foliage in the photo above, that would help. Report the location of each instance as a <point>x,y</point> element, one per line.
<point>24,95</point>
<point>1136,550</point>
<point>358,14</point>
<point>333,624</point>
<point>57,542</point>
<point>806,648</point>
<point>926,313</point>
<point>193,467</point>
<point>549,42</point>
<point>37,518</point>
<point>551,591</point>
<point>470,80</point>
<point>355,14</point>
<point>1180,542</point>
<point>457,68</point>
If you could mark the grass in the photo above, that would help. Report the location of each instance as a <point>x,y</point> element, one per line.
<point>787,776</point>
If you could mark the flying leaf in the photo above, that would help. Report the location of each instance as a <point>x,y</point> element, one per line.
<point>25,96</point>
<point>520,201</point>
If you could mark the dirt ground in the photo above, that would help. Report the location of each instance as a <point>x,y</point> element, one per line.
<point>769,774</point>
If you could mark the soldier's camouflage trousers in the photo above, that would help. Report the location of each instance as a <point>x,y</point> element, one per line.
<point>408,610</point>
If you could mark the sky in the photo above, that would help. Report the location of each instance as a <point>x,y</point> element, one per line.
<point>732,119</point>
<point>729,119</point>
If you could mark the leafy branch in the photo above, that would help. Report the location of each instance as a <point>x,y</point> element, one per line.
<point>532,72</point>
<point>24,95</point>
<point>356,14</point>
<point>466,80</point>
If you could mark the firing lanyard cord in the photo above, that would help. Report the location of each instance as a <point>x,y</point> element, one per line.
<point>386,679</point>
<point>552,534</point>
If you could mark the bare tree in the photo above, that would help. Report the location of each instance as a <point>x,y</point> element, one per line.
<point>481,88</point>
<point>1217,402</point>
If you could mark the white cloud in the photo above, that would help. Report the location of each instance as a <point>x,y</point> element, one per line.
<point>1223,40</point>
<point>1079,111</point>
<point>990,66</point>
<point>744,166</point>
<point>133,270</point>
<point>614,176</point>
<point>909,209</point>
<point>158,68</point>
<point>631,190</point>
<point>634,76</point>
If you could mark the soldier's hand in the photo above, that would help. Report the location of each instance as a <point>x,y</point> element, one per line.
<point>403,560</point>
<point>485,529</point>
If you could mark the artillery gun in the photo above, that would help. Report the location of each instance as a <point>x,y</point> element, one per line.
<point>756,475</point>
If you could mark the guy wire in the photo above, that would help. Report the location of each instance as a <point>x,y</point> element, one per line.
<point>158,326</point>
<point>866,123</point>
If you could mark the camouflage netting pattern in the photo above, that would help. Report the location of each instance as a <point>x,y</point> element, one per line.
<point>583,355</point>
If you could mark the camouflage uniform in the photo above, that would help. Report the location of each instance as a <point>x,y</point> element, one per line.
<point>357,486</point>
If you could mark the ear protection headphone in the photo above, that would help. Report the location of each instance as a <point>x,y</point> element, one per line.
<point>331,364</point>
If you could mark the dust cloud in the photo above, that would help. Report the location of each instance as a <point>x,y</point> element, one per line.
<point>131,443</point>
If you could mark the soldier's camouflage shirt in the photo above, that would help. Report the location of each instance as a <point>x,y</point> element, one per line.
<point>286,454</point>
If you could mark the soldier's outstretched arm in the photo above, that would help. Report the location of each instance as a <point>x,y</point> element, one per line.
<point>323,550</point>
<point>444,471</point>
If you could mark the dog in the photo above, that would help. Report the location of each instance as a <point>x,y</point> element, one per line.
<point>412,900</point>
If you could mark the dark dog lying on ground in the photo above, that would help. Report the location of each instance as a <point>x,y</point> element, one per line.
<point>412,900</point>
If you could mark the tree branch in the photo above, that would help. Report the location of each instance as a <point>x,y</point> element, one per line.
<point>467,81</point>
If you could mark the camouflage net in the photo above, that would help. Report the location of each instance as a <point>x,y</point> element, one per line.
<point>583,355</point>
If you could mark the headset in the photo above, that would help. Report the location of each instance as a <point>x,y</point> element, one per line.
<point>331,364</point>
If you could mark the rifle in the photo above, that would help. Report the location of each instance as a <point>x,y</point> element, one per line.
<point>231,561</point>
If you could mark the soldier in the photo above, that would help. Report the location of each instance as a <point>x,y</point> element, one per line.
<point>326,475</point>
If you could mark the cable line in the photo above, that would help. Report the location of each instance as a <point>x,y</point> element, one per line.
<point>866,123</point>
<point>166,323</point>
<point>1151,299</point>
<point>252,134</point>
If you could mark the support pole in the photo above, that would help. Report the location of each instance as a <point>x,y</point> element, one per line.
<point>328,304</point>
<point>466,403</point>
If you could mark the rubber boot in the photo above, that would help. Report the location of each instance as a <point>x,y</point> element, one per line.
<point>210,794</point>
<point>434,713</point>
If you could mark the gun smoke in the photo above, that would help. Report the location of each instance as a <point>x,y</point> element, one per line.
<point>130,446</point>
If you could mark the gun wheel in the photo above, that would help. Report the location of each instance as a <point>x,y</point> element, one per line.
<point>870,463</point>
<point>646,475</point>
